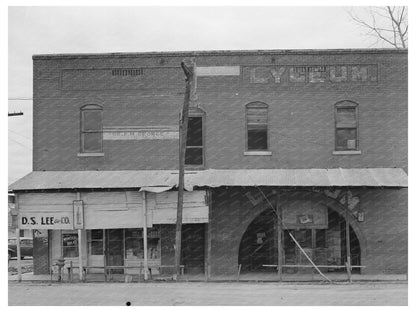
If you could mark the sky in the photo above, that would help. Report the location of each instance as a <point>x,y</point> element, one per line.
<point>49,30</point>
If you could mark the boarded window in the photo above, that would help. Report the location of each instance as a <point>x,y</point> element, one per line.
<point>91,129</point>
<point>256,118</point>
<point>194,144</point>
<point>346,126</point>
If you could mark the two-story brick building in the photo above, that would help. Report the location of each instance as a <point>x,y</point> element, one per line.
<point>306,132</point>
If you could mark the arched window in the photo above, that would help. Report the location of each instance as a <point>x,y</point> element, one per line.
<point>256,125</point>
<point>346,126</point>
<point>194,155</point>
<point>91,129</point>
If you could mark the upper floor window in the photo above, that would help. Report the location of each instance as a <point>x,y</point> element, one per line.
<point>91,129</point>
<point>194,155</point>
<point>346,126</point>
<point>256,121</point>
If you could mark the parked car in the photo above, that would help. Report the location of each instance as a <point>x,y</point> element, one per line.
<point>26,247</point>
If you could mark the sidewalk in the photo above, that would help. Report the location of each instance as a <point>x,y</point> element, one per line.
<point>247,277</point>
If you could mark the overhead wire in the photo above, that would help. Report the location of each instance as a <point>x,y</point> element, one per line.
<point>290,234</point>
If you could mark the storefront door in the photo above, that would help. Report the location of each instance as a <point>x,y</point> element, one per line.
<point>115,248</point>
<point>95,250</point>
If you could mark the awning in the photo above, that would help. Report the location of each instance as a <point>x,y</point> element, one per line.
<point>166,179</point>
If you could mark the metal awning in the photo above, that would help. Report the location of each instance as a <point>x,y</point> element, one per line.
<point>166,179</point>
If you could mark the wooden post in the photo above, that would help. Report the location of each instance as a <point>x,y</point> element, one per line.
<point>19,262</point>
<point>209,234</point>
<point>279,239</point>
<point>146,268</point>
<point>183,129</point>
<point>347,237</point>
<point>80,269</point>
<point>81,278</point>
<point>105,253</point>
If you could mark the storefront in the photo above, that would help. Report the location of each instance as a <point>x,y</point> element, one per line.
<point>232,220</point>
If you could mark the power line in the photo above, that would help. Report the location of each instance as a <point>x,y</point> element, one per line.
<point>23,136</point>
<point>20,99</point>
<point>15,114</point>
<point>20,144</point>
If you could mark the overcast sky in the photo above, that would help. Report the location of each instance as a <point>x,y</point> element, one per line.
<point>44,30</point>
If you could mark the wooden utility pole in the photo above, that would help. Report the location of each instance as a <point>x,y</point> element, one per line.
<point>183,129</point>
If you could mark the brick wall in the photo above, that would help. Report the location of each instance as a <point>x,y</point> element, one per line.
<point>382,235</point>
<point>301,116</point>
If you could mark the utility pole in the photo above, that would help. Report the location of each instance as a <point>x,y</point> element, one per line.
<point>183,129</point>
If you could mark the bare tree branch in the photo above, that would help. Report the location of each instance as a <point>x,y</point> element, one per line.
<point>388,24</point>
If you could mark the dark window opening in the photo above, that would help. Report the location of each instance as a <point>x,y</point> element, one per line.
<point>256,118</point>
<point>194,144</point>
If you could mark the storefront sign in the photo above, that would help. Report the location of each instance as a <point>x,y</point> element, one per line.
<point>78,214</point>
<point>305,215</point>
<point>310,74</point>
<point>62,220</point>
<point>141,133</point>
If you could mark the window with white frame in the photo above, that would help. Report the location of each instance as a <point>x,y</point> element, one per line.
<point>256,125</point>
<point>194,155</point>
<point>91,129</point>
<point>70,244</point>
<point>346,126</point>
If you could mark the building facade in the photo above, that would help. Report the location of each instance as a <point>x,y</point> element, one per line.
<point>283,146</point>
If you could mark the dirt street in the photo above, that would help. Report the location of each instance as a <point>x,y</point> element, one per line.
<point>168,294</point>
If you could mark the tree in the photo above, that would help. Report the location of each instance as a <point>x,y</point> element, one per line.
<point>386,24</point>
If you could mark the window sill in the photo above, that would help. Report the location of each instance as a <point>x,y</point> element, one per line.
<point>346,153</point>
<point>257,153</point>
<point>90,154</point>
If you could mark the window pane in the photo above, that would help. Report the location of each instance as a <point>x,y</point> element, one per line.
<point>320,238</point>
<point>97,247</point>
<point>346,115</point>
<point>92,142</point>
<point>96,234</point>
<point>92,120</point>
<point>193,156</point>
<point>256,117</point>
<point>194,134</point>
<point>70,245</point>
<point>257,139</point>
<point>346,139</point>
<point>134,248</point>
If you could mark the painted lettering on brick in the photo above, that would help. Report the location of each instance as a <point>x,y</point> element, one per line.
<point>315,74</point>
<point>141,133</point>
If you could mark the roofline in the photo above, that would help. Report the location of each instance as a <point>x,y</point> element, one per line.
<point>217,52</point>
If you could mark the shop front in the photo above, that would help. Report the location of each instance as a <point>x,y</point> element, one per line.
<point>119,229</point>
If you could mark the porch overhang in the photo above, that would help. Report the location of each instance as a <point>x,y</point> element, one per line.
<point>163,180</point>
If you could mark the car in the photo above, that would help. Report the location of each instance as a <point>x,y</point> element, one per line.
<point>26,247</point>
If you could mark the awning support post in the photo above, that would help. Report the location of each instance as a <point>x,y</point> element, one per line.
<point>347,237</point>
<point>146,268</point>
<point>19,262</point>
<point>279,239</point>
<point>80,269</point>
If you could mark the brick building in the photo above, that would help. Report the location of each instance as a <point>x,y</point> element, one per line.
<point>320,136</point>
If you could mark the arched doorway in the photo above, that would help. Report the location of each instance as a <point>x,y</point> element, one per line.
<point>326,246</point>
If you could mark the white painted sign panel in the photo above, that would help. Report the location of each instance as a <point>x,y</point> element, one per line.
<point>62,220</point>
<point>141,133</point>
<point>218,71</point>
